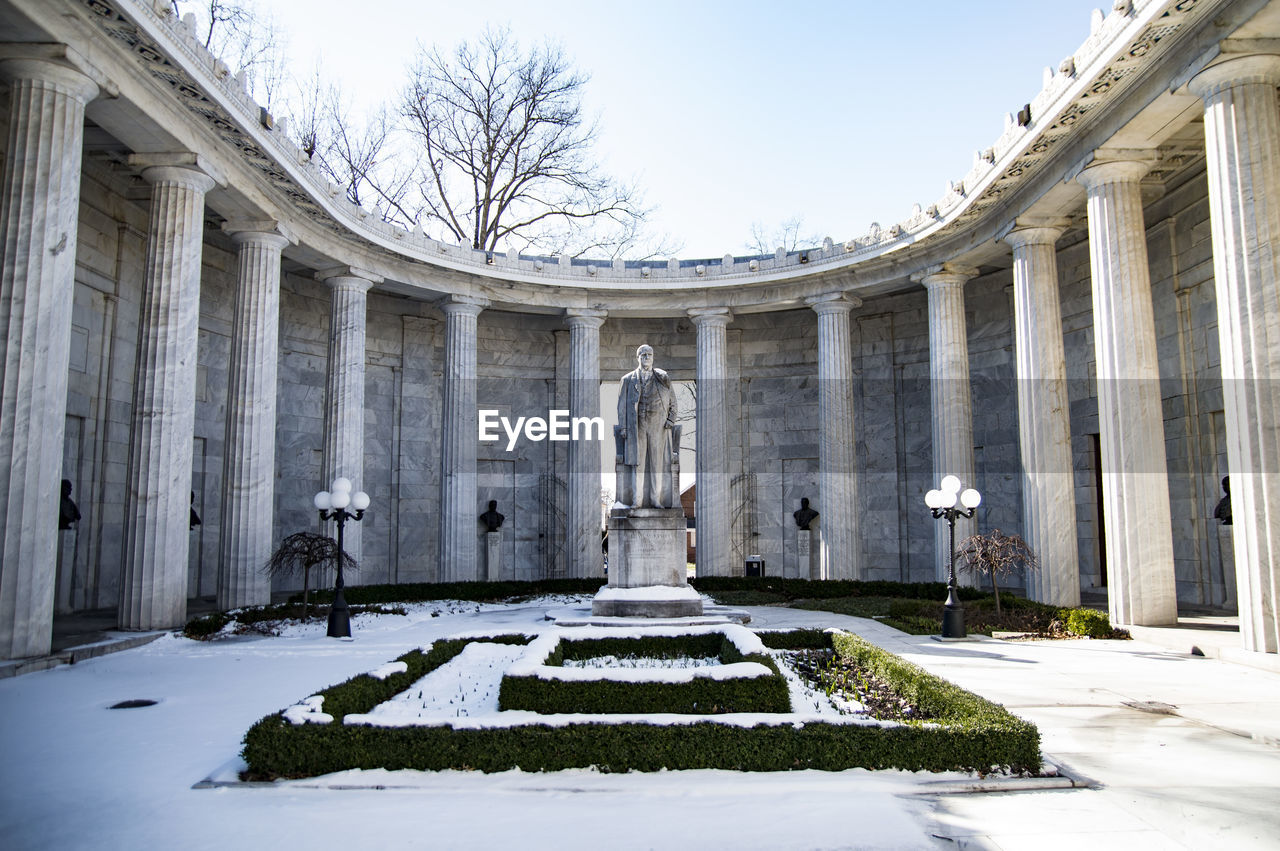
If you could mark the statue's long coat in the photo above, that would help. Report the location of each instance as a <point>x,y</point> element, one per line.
<point>629,403</point>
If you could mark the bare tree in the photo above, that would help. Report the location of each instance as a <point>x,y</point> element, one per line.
<point>505,150</point>
<point>786,236</point>
<point>995,554</point>
<point>248,40</point>
<point>303,551</point>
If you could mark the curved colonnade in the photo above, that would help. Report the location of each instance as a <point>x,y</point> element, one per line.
<point>1083,326</point>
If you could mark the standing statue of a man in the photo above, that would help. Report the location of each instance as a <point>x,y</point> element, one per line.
<point>646,415</point>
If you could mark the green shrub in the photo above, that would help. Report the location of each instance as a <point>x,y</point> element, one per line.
<point>1088,622</point>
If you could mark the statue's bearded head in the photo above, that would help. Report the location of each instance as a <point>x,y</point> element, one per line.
<point>644,356</point>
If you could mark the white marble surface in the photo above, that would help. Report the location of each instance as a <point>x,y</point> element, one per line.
<point>1044,422</point>
<point>153,592</point>
<point>1242,143</point>
<point>249,462</point>
<point>950,398</point>
<point>714,550</point>
<point>839,545</point>
<point>458,511</point>
<point>585,558</point>
<point>1135,479</point>
<point>39,215</point>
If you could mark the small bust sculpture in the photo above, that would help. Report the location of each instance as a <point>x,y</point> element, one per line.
<point>68,513</point>
<point>491,518</point>
<point>805,515</point>
<point>1223,511</point>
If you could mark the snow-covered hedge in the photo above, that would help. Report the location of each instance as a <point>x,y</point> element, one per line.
<point>746,680</point>
<point>957,730</point>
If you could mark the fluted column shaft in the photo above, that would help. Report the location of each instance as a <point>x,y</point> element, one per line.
<point>585,558</point>
<point>1242,148</point>
<point>39,214</point>
<point>344,398</point>
<point>1044,421</point>
<point>950,399</point>
<point>458,509</point>
<point>1135,477</point>
<point>837,451</point>
<point>713,479</point>
<point>153,589</point>
<point>248,469</point>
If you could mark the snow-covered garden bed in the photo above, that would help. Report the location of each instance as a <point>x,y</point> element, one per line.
<point>446,709</point>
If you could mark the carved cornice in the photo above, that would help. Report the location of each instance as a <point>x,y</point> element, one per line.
<point>1120,46</point>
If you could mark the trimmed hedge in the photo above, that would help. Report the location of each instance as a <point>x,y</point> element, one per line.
<point>700,696</point>
<point>477,592</point>
<point>966,733</point>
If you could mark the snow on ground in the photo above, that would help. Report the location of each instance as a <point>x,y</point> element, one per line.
<point>80,775</point>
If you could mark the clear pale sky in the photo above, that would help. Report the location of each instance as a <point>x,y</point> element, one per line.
<point>730,113</point>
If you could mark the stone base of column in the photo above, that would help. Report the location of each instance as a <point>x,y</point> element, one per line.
<point>647,566</point>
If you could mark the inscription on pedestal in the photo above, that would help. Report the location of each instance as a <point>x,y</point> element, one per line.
<point>493,556</point>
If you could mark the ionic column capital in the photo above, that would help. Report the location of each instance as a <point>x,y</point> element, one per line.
<point>710,316</point>
<point>259,231</point>
<point>584,317</point>
<point>837,302</point>
<point>1237,71</point>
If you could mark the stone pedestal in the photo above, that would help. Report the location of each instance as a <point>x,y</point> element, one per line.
<point>647,576</point>
<point>492,557</point>
<point>809,567</point>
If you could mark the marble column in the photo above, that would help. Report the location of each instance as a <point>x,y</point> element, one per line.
<point>585,558</point>
<point>39,214</point>
<point>713,480</point>
<point>459,528</point>
<point>344,391</point>
<point>1135,478</point>
<point>1044,417</point>
<point>153,587</point>
<point>249,456</point>
<point>1242,149</point>
<point>837,451</point>
<point>950,399</point>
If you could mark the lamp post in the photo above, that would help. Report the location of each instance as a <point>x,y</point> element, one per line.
<point>942,502</point>
<point>332,505</point>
